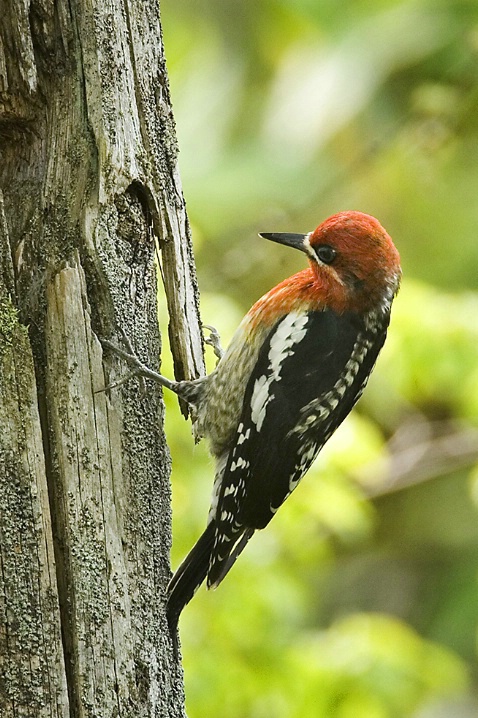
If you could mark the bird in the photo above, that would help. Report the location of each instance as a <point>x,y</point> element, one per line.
<point>294,369</point>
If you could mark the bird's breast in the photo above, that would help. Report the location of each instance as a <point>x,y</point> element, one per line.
<point>221,407</point>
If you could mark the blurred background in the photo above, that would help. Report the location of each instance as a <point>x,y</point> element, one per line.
<point>360,600</point>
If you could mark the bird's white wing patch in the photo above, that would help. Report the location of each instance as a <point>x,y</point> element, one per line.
<point>288,333</point>
<point>261,396</point>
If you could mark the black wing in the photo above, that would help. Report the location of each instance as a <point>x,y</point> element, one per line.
<point>308,376</point>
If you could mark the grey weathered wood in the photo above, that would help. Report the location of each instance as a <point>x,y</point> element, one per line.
<point>32,670</point>
<point>89,182</point>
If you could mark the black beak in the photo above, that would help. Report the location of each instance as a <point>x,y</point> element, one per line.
<point>289,240</point>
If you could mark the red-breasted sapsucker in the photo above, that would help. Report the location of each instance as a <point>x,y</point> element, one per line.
<point>294,369</point>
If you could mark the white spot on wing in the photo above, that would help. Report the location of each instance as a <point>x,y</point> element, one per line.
<point>260,399</point>
<point>243,437</point>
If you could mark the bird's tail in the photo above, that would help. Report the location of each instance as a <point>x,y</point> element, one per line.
<point>203,560</point>
<point>187,579</point>
<point>225,553</point>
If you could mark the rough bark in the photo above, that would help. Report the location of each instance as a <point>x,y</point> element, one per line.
<point>88,186</point>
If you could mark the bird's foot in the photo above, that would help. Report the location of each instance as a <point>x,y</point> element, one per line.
<point>139,369</point>
<point>214,340</point>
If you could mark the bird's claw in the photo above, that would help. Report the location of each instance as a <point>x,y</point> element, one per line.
<point>214,340</point>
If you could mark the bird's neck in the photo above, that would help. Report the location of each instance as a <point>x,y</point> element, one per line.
<point>309,291</point>
<point>303,292</point>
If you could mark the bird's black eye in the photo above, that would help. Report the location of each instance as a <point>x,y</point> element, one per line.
<point>325,253</point>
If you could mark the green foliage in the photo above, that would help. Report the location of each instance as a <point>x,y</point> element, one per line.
<point>360,598</point>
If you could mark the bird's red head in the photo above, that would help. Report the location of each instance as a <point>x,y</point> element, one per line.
<point>353,260</point>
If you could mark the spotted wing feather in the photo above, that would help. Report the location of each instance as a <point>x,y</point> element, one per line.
<point>310,372</point>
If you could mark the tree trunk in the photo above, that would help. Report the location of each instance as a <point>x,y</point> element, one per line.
<point>88,186</point>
